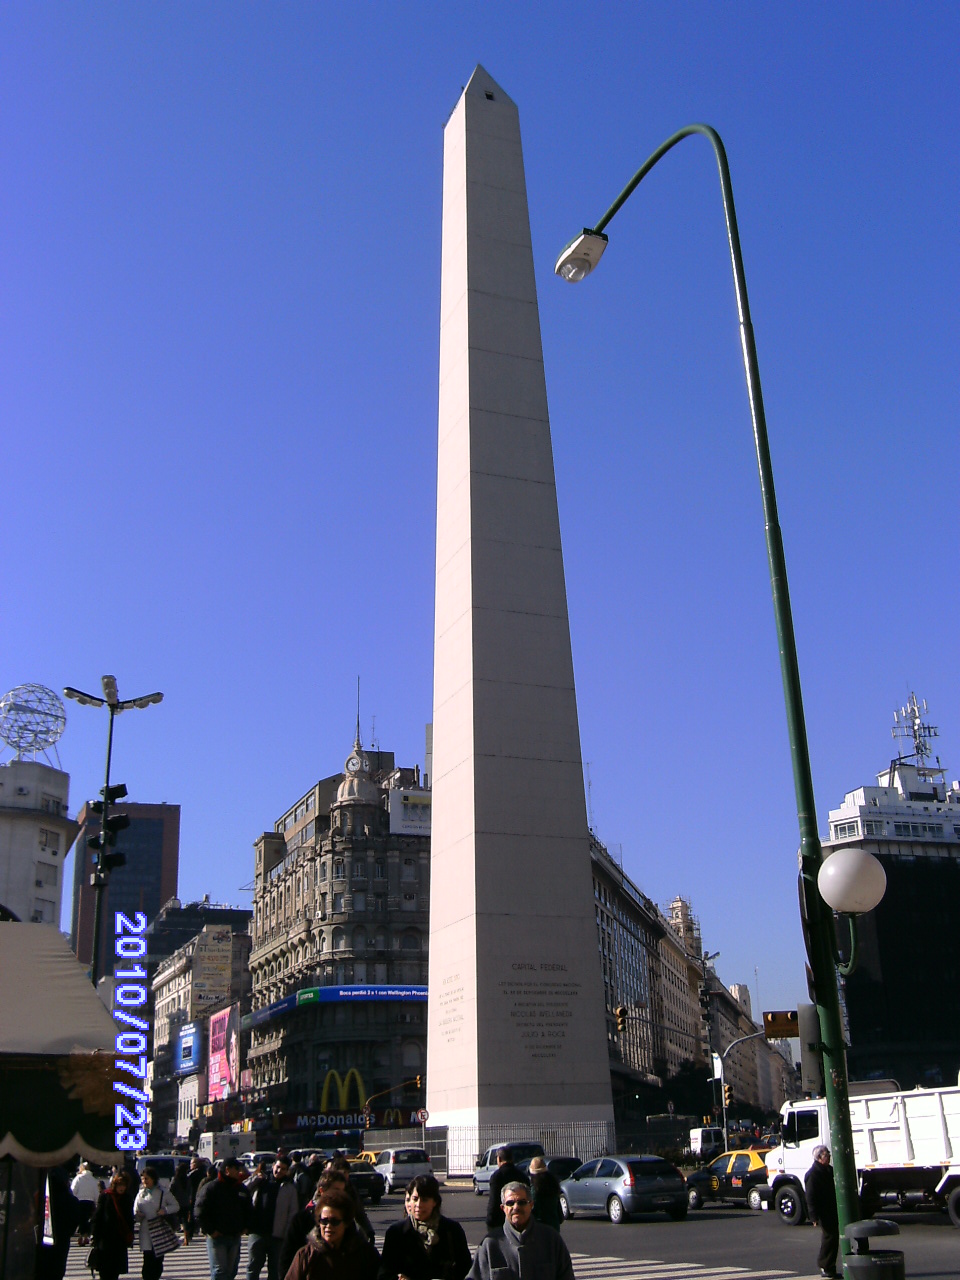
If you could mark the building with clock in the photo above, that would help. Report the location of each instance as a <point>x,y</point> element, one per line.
<point>339,955</point>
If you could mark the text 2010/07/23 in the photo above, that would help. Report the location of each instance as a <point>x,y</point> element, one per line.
<point>130,992</point>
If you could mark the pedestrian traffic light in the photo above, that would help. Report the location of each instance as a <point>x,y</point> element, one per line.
<point>728,1096</point>
<point>620,1013</point>
<point>781,1024</point>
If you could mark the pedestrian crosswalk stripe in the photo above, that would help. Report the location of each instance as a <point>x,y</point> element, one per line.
<point>589,1267</point>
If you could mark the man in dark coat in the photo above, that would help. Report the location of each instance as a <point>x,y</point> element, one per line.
<point>822,1203</point>
<point>223,1209</point>
<point>506,1171</point>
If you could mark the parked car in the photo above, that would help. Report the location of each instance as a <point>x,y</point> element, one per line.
<point>397,1165</point>
<point>368,1183</point>
<point>560,1166</point>
<point>736,1176</point>
<point>251,1159</point>
<point>487,1164</point>
<point>621,1185</point>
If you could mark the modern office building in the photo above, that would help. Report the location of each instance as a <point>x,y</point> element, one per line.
<point>147,880</point>
<point>339,959</point>
<point>902,1001</point>
<point>35,835</point>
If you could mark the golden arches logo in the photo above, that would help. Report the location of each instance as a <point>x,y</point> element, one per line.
<point>392,1115</point>
<point>343,1089</point>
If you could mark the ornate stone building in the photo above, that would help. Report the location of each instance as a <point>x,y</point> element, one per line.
<point>340,930</point>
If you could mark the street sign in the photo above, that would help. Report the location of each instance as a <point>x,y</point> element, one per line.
<point>423,1115</point>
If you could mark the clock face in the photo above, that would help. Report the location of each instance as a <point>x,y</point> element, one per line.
<point>353,764</point>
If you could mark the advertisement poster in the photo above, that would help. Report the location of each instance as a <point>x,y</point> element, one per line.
<point>212,962</point>
<point>188,1051</point>
<point>223,1074</point>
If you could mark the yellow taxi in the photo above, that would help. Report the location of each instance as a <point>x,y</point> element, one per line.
<point>735,1176</point>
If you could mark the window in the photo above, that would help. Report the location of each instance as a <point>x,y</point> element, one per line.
<point>873,828</point>
<point>49,839</point>
<point>338,868</point>
<point>409,902</point>
<point>843,830</point>
<point>359,871</point>
<point>380,902</point>
<point>359,901</point>
<point>338,902</point>
<point>380,869</point>
<point>409,871</point>
<point>46,873</point>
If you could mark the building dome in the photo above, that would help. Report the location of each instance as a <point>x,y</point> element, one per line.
<point>356,787</point>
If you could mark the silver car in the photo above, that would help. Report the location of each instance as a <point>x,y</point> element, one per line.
<point>398,1165</point>
<point>621,1185</point>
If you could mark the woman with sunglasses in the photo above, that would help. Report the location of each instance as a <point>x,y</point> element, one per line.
<point>425,1245</point>
<point>112,1225</point>
<point>335,1249</point>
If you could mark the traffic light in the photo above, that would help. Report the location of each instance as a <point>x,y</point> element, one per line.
<point>704,996</point>
<point>781,1024</point>
<point>368,1119</point>
<point>620,1013</point>
<point>728,1096</point>
<point>419,1079</point>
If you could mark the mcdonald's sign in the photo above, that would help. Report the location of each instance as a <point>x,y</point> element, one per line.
<point>343,1090</point>
<point>392,1116</point>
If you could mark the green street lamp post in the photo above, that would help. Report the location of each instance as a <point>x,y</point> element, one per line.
<point>105,861</point>
<point>577,261</point>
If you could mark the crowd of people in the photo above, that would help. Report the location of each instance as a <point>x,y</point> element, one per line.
<point>307,1222</point>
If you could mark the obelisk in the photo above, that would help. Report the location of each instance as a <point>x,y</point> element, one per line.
<point>517,1031</point>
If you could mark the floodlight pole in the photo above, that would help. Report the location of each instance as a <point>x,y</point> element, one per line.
<point>817,918</point>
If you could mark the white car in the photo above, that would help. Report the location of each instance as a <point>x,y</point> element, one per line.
<point>397,1165</point>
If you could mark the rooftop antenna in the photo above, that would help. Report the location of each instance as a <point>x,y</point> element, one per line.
<point>908,723</point>
<point>359,743</point>
<point>589,800</point>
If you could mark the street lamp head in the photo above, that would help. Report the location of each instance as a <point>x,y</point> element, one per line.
<point>581,255</point>
<point>110,688</point>
<point>147,699</point>
<point>85,699</point>
<point>851,881</point>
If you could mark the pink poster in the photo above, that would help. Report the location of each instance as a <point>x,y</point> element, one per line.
<point>223,1071</point>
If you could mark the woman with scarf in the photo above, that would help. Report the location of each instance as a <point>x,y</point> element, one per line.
<point>153,1202</point>
<point>112,1224</point>
<point>335,1249</point>
<point>425,1246</point>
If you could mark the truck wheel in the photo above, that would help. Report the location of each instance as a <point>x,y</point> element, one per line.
<point>788,1202</point>
<point>953,1206</point>
<point>694,1198</point>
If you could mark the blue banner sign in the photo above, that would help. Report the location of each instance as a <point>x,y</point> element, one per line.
<point>188,1051</point>
<point>326,995</point>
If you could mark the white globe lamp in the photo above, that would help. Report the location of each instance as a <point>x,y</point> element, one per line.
<point>851,881</point>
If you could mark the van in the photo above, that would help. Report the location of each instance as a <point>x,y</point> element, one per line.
<point>487,1164</point>
<point>706,1143</point>
<point>397,1165</point>
<point>166,1167</point>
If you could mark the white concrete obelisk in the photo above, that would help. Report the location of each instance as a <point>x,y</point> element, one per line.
<point>517,1030</point>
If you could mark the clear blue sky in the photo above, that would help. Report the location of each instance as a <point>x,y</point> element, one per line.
<point>219,294</point>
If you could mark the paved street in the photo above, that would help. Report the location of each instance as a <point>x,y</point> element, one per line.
<point>712,1244</point>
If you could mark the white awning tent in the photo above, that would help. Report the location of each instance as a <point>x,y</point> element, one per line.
<point>57,1048</point>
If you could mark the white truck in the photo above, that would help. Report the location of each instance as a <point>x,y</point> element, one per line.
<point>217,1146</point>
<point>904,1143</point>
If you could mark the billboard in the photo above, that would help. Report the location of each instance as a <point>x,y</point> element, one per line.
<point>212,964</point>
<point>188,1050</point>
<point>409,812</point>
<point>323,995</point>
<point>223,1072</point>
